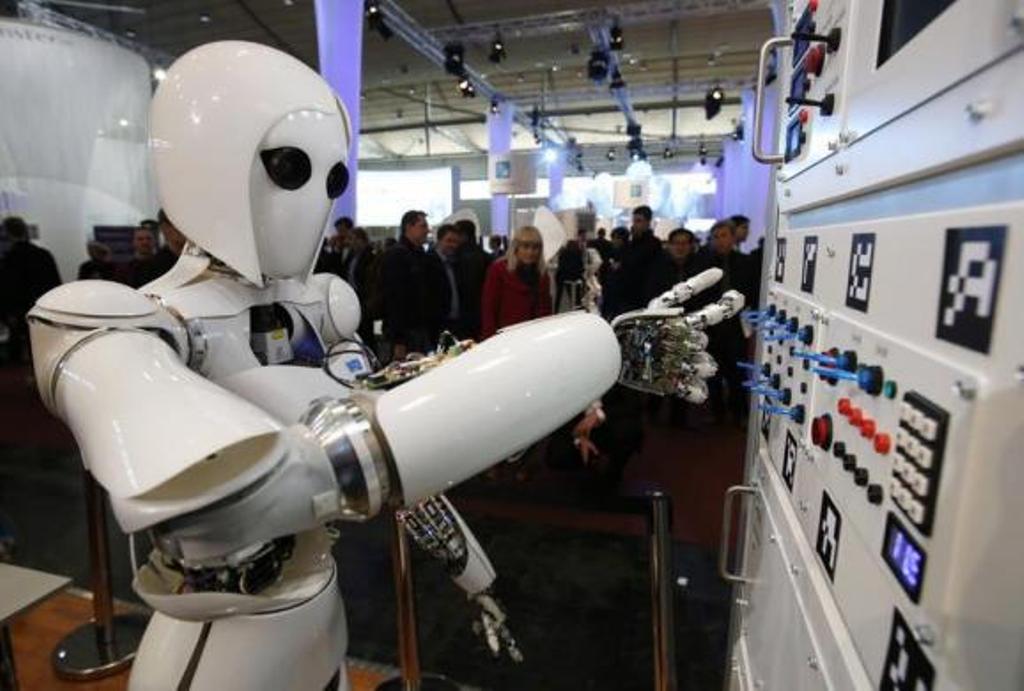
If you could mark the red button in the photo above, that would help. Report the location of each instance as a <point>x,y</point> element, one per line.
<point>815,60</point>
<point>856,416</point>
<point>821,431</point>
<point>843,406</point>
<point>867,428</point>
<point>804,116</point>
<point>883,443</point>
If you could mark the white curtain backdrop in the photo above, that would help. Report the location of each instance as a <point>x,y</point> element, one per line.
<point>73,130</point>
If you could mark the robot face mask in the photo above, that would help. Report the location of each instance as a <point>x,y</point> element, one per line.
<point>250,147</point>
<point>297,173</point>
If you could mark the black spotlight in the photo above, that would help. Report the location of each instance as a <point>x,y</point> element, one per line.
<point>617,81</point>
<point>703,160</point>
<point>616,37</point>
<point>597,66</point>
<point>668,152</point>
<point>494,106</point>
<point>375,19</point>
<point>611,154</point>
<point>497,53</point>
<point>453,59</point>
<point>702,150</point>
<point>737,134</point>
<point>466,88</point>
<point>719,161</point>
<point>635,147</point>
<point>713,101</point>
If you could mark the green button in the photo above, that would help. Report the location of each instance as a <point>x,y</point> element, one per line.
<point>889,389</point>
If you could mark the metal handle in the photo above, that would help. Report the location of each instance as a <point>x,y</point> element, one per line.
<point>723,547</point>
<point>762,67</point>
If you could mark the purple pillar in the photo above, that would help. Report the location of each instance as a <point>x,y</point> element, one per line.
<point>499,139</point>
<point>556,173</point>
<point>339,35</point>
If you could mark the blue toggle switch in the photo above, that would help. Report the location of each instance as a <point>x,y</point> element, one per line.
<point>827,360</point>
<point>780,336</point>
<point>785,395</point>
<point>796,413</point>
<point>834,373</point>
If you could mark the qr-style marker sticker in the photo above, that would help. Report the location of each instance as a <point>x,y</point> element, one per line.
<point>789,460</point>
<point>971,270</point>
<point>780,259</point>
<point>830,525</point>
<point>906,668</point>
<point>862,262</point>
<point>810,263</point>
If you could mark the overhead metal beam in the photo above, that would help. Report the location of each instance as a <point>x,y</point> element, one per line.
<point>578,20</point>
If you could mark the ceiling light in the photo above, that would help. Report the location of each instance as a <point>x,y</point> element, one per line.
<point>520,78</point>
<point>453,58</point>
<point>713,101</point>
<point>668,152</point>
<point>703,160</point>
<point>159,74</point>
<point>122,122</point>
<point>616,37</point>
<point>497,50</point>
<point>494,106</point>
<point>466,88</point>
<point>611,154</point>
<point>702,150</point>
<point>554,68</point>
<point>375,18</point>
<point>204,18</point>
<point>550,155</point>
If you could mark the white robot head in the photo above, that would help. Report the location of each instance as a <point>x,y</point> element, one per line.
<point>250,149</point>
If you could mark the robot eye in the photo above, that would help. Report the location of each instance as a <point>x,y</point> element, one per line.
<point>287,166</point>
<point>337,180</point>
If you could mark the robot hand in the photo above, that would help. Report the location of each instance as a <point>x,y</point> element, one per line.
<point>437,528</point>
<point>663,351</point>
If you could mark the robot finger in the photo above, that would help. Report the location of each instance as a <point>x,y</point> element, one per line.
<point>681,292</point>
<point>727,306</point>
<point>701,365</point>
<point>693,390</point>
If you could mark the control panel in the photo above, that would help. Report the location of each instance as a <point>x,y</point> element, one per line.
<point>885,460</point>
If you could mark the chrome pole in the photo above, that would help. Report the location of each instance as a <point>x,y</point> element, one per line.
<point>107,644</point>
<point>660,536</point>
<point>412,677</point>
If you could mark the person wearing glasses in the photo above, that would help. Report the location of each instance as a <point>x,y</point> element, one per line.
<point>517,287</point>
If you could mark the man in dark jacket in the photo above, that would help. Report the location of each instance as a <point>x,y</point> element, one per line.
<point>727,343</point>
<point>26,273</point>
<point>472,269</point>
<point>408,290</point>
<point>639,258</point>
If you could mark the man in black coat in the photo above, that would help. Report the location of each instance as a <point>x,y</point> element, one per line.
<point>638,261</point>
<point>26,273</point>
<point>409,299</point>
<point>472,263</point>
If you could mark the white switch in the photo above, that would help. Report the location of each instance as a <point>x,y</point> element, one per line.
<point>901,437</point>
<point>915,510</point>
<point>905,411</point>
<point>919,481</point>
<point>924,456</point>
<point>929,428</point>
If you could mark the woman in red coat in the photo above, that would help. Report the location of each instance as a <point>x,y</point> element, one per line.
<point>517,287</point>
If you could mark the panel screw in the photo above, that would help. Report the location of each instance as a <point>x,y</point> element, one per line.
<point>840,169</point>
<point>794,569</point>
<point>1020,373</point>
<point>964,390</point>
<point>924,634</point>
<point>812,662</point>
<point>979,110</point>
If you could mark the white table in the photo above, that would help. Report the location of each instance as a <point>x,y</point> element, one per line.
<point>20,590</point>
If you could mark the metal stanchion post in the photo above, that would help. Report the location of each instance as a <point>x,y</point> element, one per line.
<point>107,644</point>
<point>411,677</point>
<point>660,535</point>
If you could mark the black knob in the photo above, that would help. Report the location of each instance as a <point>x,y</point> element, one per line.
<point>787,396</point>
<point>793,325</point>
<point>826,105</point>
<point>875,494</point>
<point>766,369</point>
<point>839,450</point>
<point>870,379</point>
<point>849,463</point>
<point>798,414</point>
<point>806,335</point>
<point>860,477</point>
<point>776,381</point>
<point>771,310</point>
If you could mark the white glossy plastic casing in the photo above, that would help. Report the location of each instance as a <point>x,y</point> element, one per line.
<point>484,405</point>
<point>219,107</point>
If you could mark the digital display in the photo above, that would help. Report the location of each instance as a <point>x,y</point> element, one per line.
<point>804,26</point>
<point>902,20</point>
<point>797,86</point>
<point>794,140</point>
<point>905,557</point>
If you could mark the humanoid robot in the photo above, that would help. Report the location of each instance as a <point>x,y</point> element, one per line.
<point>210,407</point>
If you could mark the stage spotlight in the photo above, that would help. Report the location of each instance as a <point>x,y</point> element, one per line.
<point>597,66</point>
<point>713,101</point>
<point>611,154</point>
<point>702,150</point>
<point>668,152</point>
<point>616,37</point>
<point>617,81</point>
<point>550,155</point>
<point>494,106</point>
<point>466,88</point>
<point>737,134</point>
<point>453,58</point>
<point>497,53</point>
<point>375,19</point>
